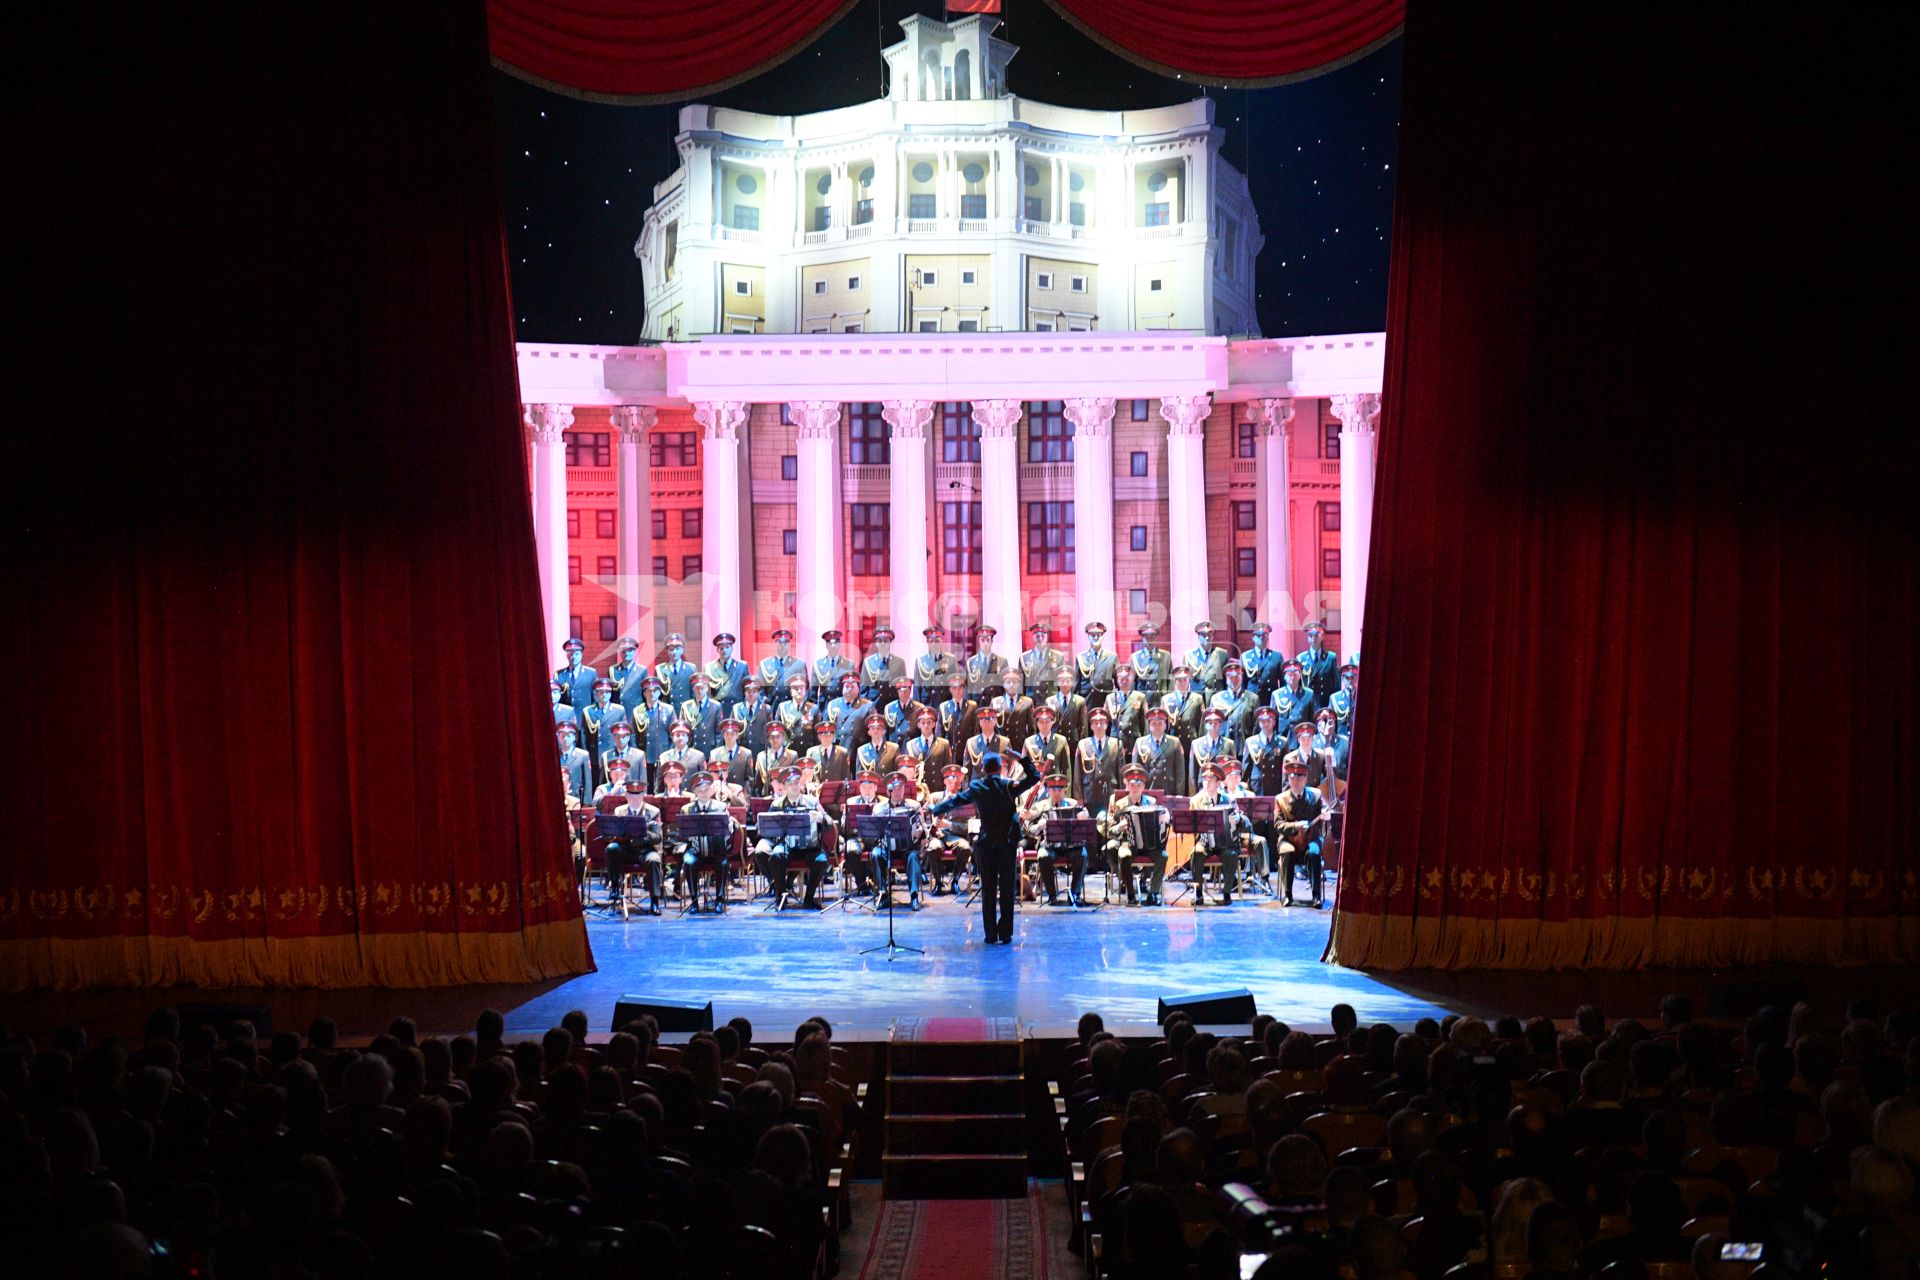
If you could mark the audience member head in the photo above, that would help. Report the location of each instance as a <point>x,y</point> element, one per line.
<point>1296,1168</point>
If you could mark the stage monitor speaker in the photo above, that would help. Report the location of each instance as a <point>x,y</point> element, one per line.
<point>672,1015</point>
<point>1744,999</point>
<point>1218,1008</point>
<point>220,1016</point>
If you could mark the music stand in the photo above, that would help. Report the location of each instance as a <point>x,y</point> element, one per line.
<point>705,826</point>
<point>895,830</point>
<point>1259,811</point>
<point>785,827</point>
<point>1065,833</point>
<point>1197,823</point>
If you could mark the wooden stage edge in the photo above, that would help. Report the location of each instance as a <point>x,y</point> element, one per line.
<point>1117,961</point>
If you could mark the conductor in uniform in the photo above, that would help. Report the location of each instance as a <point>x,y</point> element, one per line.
<point>996,802</point>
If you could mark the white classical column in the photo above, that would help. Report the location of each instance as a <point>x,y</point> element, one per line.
<point>1186,515</point>
<point>816,585</point>
<point>907,542</point>
<point>1359,445</point>
<point>546,426</point>
<point>721,532</point>
<point>633,588</point>
<point>1276,517</point>
<point>1002,604</point>
<point>1092,419</point>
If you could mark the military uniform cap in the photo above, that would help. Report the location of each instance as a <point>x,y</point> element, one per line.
<point>876,719</point>
<point>1291,665</point>
<point>1294,766</point>
<point>782,633</point>
<point>986,629</point>
<point>1213,714</point>
<point>1234,664</point>
<point>1133,771</point>
<point>626,644</point>
<point>1055,780</point>
<point>1266,713</point>
<point>573,645</point>
<point>953,771</point>
<point>1096,628</point>
<point>733,723</point>
<point>618,764</point>
<point>676,638</point>
<point>603,683</point>
<point>883,632</point>
<point>869,775</point>
<point>725,637</point>
<point>833,634</point>
<point>1158,713</point>
<point>621,726</point>
<point>1182,669</point>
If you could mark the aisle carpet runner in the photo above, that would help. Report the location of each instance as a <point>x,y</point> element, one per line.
<point>958,1239</point>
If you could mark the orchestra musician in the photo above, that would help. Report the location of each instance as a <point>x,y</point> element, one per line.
<point>947,837</point>
<point>626,855</point>
<point>734,793</point>
<point>1258,834</point>
<point>1056,803</point>
<point>1329,737</point>
<point>1300,816</point>
<point>1117,830</point>
<point>776,856</point>
<point>1227,845</point>
<point>854,855</point>
<point>899,799</point>
<point>707,856</point>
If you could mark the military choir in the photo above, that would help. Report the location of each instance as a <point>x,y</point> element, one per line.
<point>1124,742</point>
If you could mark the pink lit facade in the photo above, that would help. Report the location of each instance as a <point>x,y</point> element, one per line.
<point>744,484</point>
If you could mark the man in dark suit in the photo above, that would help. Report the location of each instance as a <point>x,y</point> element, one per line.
<point>1320,668</point>
<point>576,678</point>
<point>996,802</point>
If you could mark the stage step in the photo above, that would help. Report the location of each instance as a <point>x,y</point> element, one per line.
<point>956,1125</point>
<point>958,1135</point>
<point>954,1177</point>
<point>944,1095</point>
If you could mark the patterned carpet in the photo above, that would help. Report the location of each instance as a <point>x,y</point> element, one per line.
<point>960,1239</point>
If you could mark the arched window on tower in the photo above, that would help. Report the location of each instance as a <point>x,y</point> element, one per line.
<point>963,75</point>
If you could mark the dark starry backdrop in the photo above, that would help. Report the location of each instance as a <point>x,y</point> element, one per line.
<point>578,176</point>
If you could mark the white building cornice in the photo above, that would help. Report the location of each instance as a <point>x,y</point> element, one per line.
<point>779,368</point>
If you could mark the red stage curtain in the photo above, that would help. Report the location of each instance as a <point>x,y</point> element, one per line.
<point>669,50</point>
<point>1641,630</point>
<point>650,50</point>
<point>1234,42</point>
<point>271,645</point>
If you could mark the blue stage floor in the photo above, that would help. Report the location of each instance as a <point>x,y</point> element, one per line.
<point>1118,961</point>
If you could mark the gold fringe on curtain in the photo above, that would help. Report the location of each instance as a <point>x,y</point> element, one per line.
<point>555,950</point>
<point>1373,941</point>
